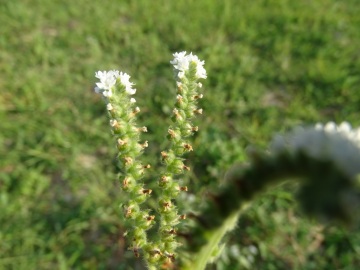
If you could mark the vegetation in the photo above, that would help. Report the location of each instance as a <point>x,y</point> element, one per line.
<point>271,64</point>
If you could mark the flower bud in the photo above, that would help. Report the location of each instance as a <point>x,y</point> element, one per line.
<point>173,135</point>
<point>109,107</point>
<point>143,129</point>
<point>195,97</point>
<point>121,144</point>
<point>178,116</point>
<point>164,180</point>
<point>198,111</point>
<point>165,205</point>
<point>115,125</point>
<point>144,145</point>
<point>133,113</point>
<point>176,166</point>
<point>187,147</point>
<point>181,102</point>
<point>127,183</point>
<point>128,161</point>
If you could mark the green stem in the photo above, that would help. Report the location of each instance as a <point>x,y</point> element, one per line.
<point>169,183</point>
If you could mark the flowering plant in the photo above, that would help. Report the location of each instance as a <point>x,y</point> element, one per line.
<point>325,159</point>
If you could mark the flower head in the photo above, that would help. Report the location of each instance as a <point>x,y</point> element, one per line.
<point>181,63</point>
<point>124,79</point>
<point>108,80</point>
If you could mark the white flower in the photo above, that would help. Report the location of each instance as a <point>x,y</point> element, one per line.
<point>181,63</point>
<point>181,74</point>
<point>124,79</point>
<point>113,122</point>
<point>108,80</point>
<point>344,128</point>
<point>200,70</point>
<point>109,107</point>
<point>341,144</point>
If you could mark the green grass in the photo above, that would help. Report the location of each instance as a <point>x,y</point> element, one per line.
<point>272,64</point>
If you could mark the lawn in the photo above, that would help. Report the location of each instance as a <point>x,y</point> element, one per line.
<point>271,64</point>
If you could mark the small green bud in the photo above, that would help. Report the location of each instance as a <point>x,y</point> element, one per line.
<point>140,198</point>
<point>168,157</point>
<point>174,135</point>
<point>196,97</point>
<point>153,255</point>
<point>164,181</point>
<point>115,126</point>
<point>172,190</point>
<point>177,166</point>
<point>128,212</point>
<point>187,130</point>
<point>135,111</point>
<point>181,101</point>
<point>127,183</point>
<point>165,205</point>
<point>198,111</point>
<point>171,218</point>
<point>142,129</point>
<point>171,245</point>
<point>127,161</point>
<point>121,144</point>
<point>187,147</point>
<point>178,116</point>
<point>144,145</point>
<point>139,237</point>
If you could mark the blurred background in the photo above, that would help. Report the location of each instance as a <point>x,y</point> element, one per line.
<point>272,64</point>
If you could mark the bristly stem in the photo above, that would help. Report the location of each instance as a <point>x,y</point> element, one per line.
<point>116,90</point>
<point>188,70</point>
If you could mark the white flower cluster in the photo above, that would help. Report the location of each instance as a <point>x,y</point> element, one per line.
<point>182,62</point>
<point>108,80</point>
<point>341,144</point>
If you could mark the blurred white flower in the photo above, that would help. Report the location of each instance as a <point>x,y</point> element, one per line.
<point>344,128</point>
<point>109,107</point>
<point>341,144</point>
<point>253,249</point>
<point>181,63</point>
<point>235,251</point>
